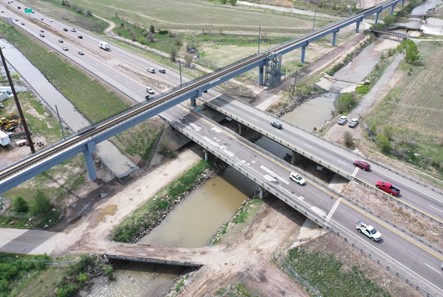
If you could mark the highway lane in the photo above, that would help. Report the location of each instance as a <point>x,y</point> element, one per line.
<point>418,260</point>
<point>416,195</point>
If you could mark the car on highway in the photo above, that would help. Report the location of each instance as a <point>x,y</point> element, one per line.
<point>388,188</point>
<point>42,35</point>
<point>81,53</point>
<point>277,125</point>
<point>162,70</point>
<point>60,40</point>
<point>149,90</point>
<point>23,23</point>
<point>65,29</point>
<point>80,37</point>
<point>73,30</point>
<point>65,48</point>
<point>353,123</point>
<point>148,97</point>
<point>362,165</point>
<point>368,230</point>
<point>150,70</point>
<point>342,120</point>
<point>42,31</point>
<point>297,178</point>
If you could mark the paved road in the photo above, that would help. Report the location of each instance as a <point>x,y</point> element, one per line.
<point>417,195</point>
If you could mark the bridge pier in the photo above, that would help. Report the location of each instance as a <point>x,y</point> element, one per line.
<point>193,102</point>
<point>392,9</point>
<point>261,70</point>
<point>239,128</point>
<point>334,37</point>
<point>303,52</point>
<point>260,192</point>
<point>357,26</point>
<point>377,16</point>
<point>206,155</point>
<point>90,149</point>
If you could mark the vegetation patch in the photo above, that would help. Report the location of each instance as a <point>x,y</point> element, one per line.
<point>325,273</point>
<point>16,270</point>
<point>237,290</point>
<point>149,215</point>
<point>81,273</point>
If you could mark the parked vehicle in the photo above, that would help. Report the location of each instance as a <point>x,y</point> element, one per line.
<point>353,123</point>
<point>297,178</point>
<point>148,97</point>
<point>362,164</point>
<point>342,120</point>
<point>73,30</point>
<point>42,35</point>
<point>277,125</point>
<point>80,37</point>
<point>104,46</point>
<point>65,48</point>
<point>368,230</point>
<point>60,40</point>
<point>388,188</point>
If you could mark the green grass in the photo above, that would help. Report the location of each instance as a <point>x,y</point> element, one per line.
<point>324,272</point>
<point>148,215</point>
<point>93,100</point>
<point>238,290</point>
<point>177,14</point>
<point>16,270</point>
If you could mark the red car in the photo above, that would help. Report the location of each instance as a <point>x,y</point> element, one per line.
<point>362,164</point>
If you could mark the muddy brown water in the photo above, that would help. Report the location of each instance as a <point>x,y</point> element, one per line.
<point>192,223</point>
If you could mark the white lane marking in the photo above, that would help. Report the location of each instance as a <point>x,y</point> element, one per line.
<point>195,127</point>
<point>355,171</point>
<point>308,145</point>
<point>270,178</point>
<point>272,173</point>
<point>301,198</point>
<point>230,154</point>
<point>318,211</point>
<point>433,268</point>
<point>437,209</point>
<point>210,141</point>
<point>331,212</point>
<point>340,161</point>
<point>216,129</point>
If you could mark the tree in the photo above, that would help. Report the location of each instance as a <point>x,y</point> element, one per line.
<point>152,29</point>
<point>19,204</point>
<point>188,60</point>
<point>345,103</point>
<point>40,204</point>
<point>410,50</point>
<point>150,37</point>
<point>173,54</point>
<point>384,143</point>
<point>348,140</point>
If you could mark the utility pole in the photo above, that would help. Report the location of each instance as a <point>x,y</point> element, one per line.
<point>313,22</point>
<point>17,103</point>
<point>259,39</point>
<point>180,68</point>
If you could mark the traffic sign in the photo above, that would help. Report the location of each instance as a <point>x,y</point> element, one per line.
<point>28,10</point>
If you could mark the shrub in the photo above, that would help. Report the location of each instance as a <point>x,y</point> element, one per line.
<point>41,204</point>
<point>345,103</point>
<point>348,140</point>
<point>19,204</point>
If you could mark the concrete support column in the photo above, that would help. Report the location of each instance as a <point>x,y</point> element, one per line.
<point>261,70</point>
<point>402,2</point>
<point>303,52</point>
<point>377,16</point>
<point>260,192</point>
<point>392,9</point>
<point>90,149</point>
<point>334,37</point>
<point>239,128</point>
<point>293,157</point>
<point>193,102</point>
<point>357,26</point>
<point>206,155</point>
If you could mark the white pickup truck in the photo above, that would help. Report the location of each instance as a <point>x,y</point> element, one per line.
<point>368,230</point>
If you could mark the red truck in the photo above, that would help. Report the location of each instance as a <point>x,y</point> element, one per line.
<point>388,188</point>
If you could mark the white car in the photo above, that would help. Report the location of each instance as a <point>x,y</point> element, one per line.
<point>150,70</point>
<point>149,90</point>
<point>342,120</point>
<point>353,123</point>
<point>368,230</point>
<point>297,178</point>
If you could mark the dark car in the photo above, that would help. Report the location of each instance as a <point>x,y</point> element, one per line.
<point>148,97</point>
<point>60,40</point>
<point>362,164</point>
<point>81,53</point>
<point>353,123</point>
<point>42,35</point>
<point>65,29</point>
<point>80,37</point>
<point>73,30</point>
<point>277,125</point>
<point>162,70</point>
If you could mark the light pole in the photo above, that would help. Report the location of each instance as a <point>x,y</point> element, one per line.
<point>180,68</point>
